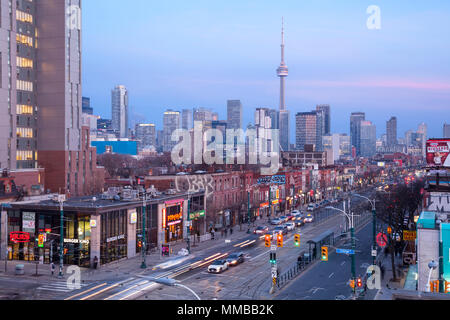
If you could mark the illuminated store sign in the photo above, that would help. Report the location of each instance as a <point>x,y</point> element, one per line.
<point>76,241</point>
<point>19,237</point>
<point>115,238</point>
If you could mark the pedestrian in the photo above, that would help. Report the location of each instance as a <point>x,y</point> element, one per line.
<point>221,233</point>
<point>95,262</point>
<point>231,231</point>
<point>198,236</point>
<point>53,268</point>
<point>212,234</point>
<point>382,271</point>
<point>226,232</point>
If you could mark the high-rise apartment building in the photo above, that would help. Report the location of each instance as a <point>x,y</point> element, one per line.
<point>146,135</point>
<point>327,117</point>
<point>391,132</point>
<point>355,130</point>
<point>171,122</point>
<point>368,139</point>
<point>423,129</point>
<point>187,119</point>
<point>446,130</point>
<point>119,111</point>
<point>234,114</point>
<point>40,94</point>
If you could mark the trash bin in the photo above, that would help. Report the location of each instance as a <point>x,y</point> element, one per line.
<point>20,269</point>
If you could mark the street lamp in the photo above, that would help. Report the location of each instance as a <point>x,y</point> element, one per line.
<point>352,232</point>
<point>374,219</point>
<point>171,283</point>
<point>432,265</point>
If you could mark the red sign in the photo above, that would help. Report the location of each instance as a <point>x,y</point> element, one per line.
<point>19,237</point>
<point>437,152</point>
<point>398,162</point>
<point>382,240</point>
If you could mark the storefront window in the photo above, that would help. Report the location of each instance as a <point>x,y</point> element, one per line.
<point>113,236</point>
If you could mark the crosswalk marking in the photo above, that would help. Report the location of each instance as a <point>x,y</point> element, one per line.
<point>58,286</point>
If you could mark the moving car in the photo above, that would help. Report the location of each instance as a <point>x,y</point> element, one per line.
<point>284,218</point>
<point>309,218</point>
<point>295,212</point>
<point>276,221</point>
<point>300,221</point>
<point>235,258</point>
<point>311,207</point>
<point>218,266</point>
<point>261,230</point>
<point>290,226</point>
<point>280,229</point>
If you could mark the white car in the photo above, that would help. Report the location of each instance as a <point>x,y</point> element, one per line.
<point>276,222</point>
<point>218,266</point>
<point>290,226</point>
<point>309,218</point>
<point>295,212</point>
<point>311,207</point>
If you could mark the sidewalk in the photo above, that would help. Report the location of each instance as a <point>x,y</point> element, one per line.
<point>125,266</point>
<point>388,287</point>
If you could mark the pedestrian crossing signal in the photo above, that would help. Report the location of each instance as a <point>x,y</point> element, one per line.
<point>324,254</point>
<point>297,240</point>
<point>41,238</point>
<point>279,240</point>
<point>267,240</point>
<point>273,258</point>
<point>352,284</point>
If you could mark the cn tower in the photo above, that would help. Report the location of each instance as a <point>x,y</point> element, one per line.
<point>282,72</point>
<point>284,126</point>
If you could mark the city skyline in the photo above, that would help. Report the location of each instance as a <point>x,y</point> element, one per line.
<point>367,77</point>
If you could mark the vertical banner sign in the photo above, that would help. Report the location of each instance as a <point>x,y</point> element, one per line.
<point>29,222</point>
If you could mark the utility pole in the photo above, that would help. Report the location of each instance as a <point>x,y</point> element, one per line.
<point>61,238</point>
<point>248,210</point>
<point>188,229</point>
<point>144,234</point>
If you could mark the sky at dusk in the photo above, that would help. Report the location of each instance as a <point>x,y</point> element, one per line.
<point>201,53</point>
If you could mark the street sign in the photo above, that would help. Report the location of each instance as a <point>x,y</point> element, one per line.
<point>345,251</point>
<point>409,235</point>
<point>273,248</point>
<point>274,272</point>
<point>382,240</point>
<point>374,253</point>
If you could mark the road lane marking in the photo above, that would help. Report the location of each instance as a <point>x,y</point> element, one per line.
<point>329,277</point>
<point>89,290</point>
<point>342,263</point>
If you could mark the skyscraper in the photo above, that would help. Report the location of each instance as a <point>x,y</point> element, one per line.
<point>306,130</point>
<point>391,132</point>
<point>263,126</point>
<point>171,122</point>
<point>234,114</point>
<point>119,110</point>
<point>423,130</point>
<point>368,139</point>
<point>282,73</point>
<point>146,135</point>
<point>355,130</point>
<point>187,119</point>
<point>327,117</point>
<point>87,106</point>
<point>446,130</point>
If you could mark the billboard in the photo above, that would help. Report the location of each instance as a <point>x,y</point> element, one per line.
<point>438,152</point>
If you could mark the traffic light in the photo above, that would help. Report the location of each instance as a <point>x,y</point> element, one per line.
<point>267,240</point>
<point>273,258</point>
<point>324,254</point>
<point>359,282</point>
<point>279,240</point>
<point>297,240</point>
<point>41,241</point>
<point>352,284</point>
<point>139,244</point>
<point>446,287</point>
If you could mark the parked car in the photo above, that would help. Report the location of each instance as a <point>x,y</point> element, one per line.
<point>235,258</point>
<point>290,226</point>
<point>218,266</point>
<point>280,229</point>
<point>309,218</point>
<point>261,230</point>
<point>311,207</point>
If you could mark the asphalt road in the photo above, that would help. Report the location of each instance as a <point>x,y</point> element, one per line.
<point>330,280</point>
